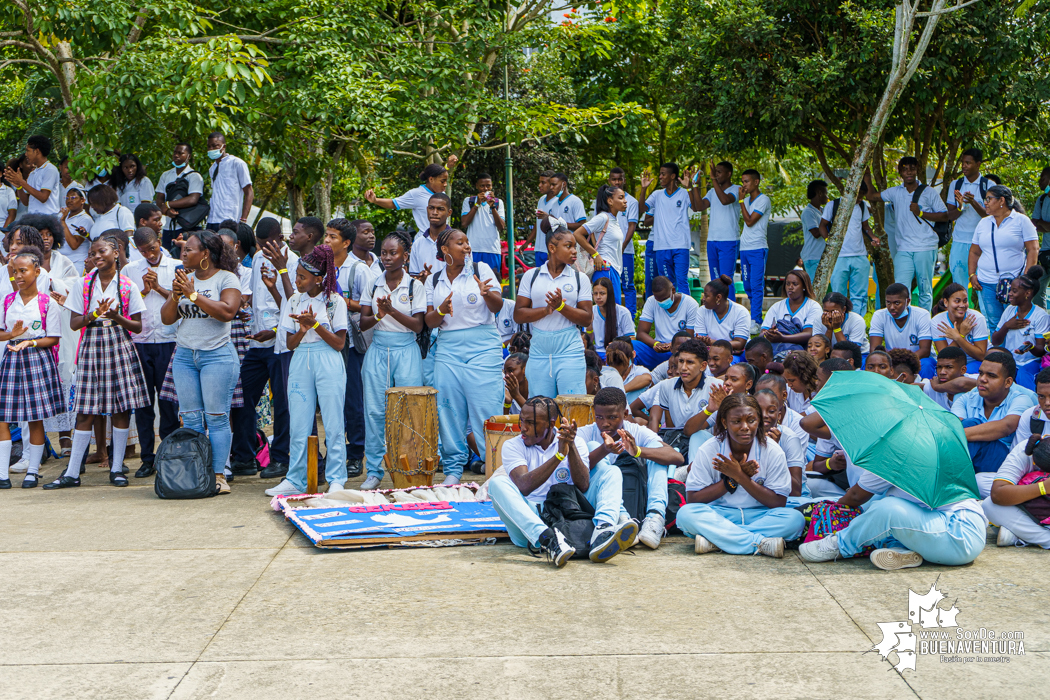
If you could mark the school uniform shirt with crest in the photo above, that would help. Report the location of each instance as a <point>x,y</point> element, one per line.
<point>624,325</point>
<point>735,324</point>
<point>29,315</point>
<point>468,308</point>
<point>913,234</point>
<point>681,407</point>
<point>227,190</point>
<point>794,444</point>
<point>537,283</point>
<point>134,193</point>
<point>772,472</point>
<point>416,200</point>
<point>962,231</point>
<point>624,218</point>
<point>266,313</point>
<point>153,329</point>
<point>606,232</point>
<point>517,454</point>
<point>754,237</point>
<point>400,299</point>
<point>667,323</point>
<point>854,328</point>
<point>194,180</point>
<point>1038,324</point>
<point>362,282</point>
<point>978,332</point>
<point>917,326</point>
<point>807,315</point>
<point>568,208</point>
<point>505,323</point>
<point>643,437</point>
<point>724,222</point>
<point>482,233</point>
<point>331,314</point>
<point>118,217</point>
<point>540,241</point>
<point>670,212</point>
<point>75,299</point>
<point>424,252</point>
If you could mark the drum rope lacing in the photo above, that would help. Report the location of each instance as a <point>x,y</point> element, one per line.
<point>398,418</point>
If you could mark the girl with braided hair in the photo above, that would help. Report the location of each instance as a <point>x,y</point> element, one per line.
<point>315,326</point>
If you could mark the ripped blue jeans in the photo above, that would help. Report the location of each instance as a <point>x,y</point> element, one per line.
<point>204,382</point>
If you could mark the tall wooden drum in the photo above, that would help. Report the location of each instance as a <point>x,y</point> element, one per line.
<point>412,431</point>
<point>498,429</point>
<point>576,407</point>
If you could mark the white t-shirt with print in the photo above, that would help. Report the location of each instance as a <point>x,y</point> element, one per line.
<point>400,299</point>
<point>606,227</point>
<point>482,233</point>
<point>735,324</point>
<point>667,323</point>
<point>853,243</point>
<point>724,222</point>
<point>670,212</point>
<point>1038,324</point>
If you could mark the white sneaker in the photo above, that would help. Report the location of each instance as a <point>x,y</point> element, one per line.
<point>1006,538</point>
<point>450,480</point>
<point>755,328</point>
<point>652,530</point>
<point>371,483</point>
<point>772,547</point>
<point>896,558</point>
<point>702,545</point>
<point>21,466</point>
<point>334,487</point>
<point>285,488</point>
<point>826,549</point>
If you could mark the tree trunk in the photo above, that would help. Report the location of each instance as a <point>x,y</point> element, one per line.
<point>296,202</point>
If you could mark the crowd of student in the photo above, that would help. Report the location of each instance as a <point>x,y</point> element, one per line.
<point>101,321</point>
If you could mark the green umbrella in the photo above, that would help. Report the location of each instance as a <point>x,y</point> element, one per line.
<point>897,432</point>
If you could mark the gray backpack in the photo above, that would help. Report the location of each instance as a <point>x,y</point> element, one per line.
<point>183,465</point>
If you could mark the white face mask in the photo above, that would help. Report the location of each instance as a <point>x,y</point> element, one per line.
<point>215,153</point>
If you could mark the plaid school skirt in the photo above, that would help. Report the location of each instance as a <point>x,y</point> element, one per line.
<point>239,335</point>
<point>30,387</point>
<point>108,377</point>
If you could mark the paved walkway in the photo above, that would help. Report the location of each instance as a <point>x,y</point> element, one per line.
<point>112,593</point>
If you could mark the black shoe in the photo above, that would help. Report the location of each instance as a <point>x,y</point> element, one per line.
<point>146,470</point>
<point>5,483</point>
<point>118,479</point>
<point>477,466</point>
<point>30,481</point>
<point>124,468</point>
<point>62,482</point>
<point>613,540</point>
<point>83,468</point>
<point>354,468</point>
<point>274,471</point>
<point>555,548</point>
<point>244,468</point>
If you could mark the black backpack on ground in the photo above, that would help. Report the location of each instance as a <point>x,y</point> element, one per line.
<point>943,229</point>
<point>183,465</point>
<point>635,485</point>
<point>567,510</point>
<point>675,501</point>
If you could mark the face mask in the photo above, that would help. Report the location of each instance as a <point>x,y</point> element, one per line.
<point>215,154</point>
<point>102,172</point>
<point>177,165</point>
<point>666,303</point>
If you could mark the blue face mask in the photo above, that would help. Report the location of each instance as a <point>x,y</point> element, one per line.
<point>215,153</point>
<point>666,303</point>
<point>177,165</point>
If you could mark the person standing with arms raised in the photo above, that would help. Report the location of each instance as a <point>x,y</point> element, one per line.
<point>966,208</point>
<point>667,211</point>
<point>755,209</point>
<point>628,221</point>
<point>435,179</point>
<point>484,218</point>
<point>231,184</point>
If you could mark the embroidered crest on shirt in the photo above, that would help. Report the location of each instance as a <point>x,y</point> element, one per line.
<point>562,475</point>
<point>472,298</point>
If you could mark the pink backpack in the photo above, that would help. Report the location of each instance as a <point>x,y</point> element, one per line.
<point>42,301</point>
<point>123,289</point>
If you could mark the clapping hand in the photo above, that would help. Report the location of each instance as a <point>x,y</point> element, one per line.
<point>14,177</point>
<point>627,443</point>
<point>269,277</point>
<point>182,284</point>
<point>272,252</point>
<point>306,319</point>
<point>424,273</point>
<point>60,298</point>
<point>18,329</point>
<point>20,346</point>
<point>554,300</point>
<point>484,285</point>
<point>149,281</point>
<point>566,435</point>
<point>716,397</point>
<point>384,306</point>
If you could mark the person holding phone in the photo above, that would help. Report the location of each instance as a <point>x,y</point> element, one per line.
<point>76,225</point>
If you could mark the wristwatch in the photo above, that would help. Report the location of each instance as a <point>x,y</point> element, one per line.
<point>193,297</point>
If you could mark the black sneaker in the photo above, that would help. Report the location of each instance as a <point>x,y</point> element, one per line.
<point>608,541</point>
<point>354,468</point>
<point>275,471</point>
<point>244,468</point>
<point>554,547</point>
<point>477,466</point>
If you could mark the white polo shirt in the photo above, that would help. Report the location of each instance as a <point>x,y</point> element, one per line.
<point>29,315</point>
<point>227,192</point>
<point>424,252</point>
<point>724,221</point>
<point>516,454</point>
<point>568,208</point>
<point>540,244</point>
<point>643,437</point>
<point>363,281</point>
<point>793,443</point>
<point>79,255</point>
<point>735,324</point>
<point>606,231</point>
<point>772,472</point>
<point>416,200</point>
<point>808,314</point>
<point>624,325</point>
<point>1038,324</point>
<point>483,235</point>
<point>468,308</point>
<point>119,217</point>
<point>153,329</point>
<point>75,299</point>
<point>134,193</point>
<point>681,407</point>
<point>194,179</point>
<point>624,218</point>
<point>667,323</point>
<point>855,330</point>
<point>46,177</point>
<point>409,297</point>
<point>913,235</point>
<point>978,332</point>
<point>537,283</point>
<point>754,237</point>
<point>853,243</point>
<point>812,247</point>
<point>670,212</point>
<point>1024,424</point>
<point>941,398</point>
<point>332,315</point>
<point>966,224</point>
<point>917,327</point>
<point>266,313</point>
<point>505,323</point>
<point>1002,246</point>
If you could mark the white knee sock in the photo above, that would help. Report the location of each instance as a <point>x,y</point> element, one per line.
<point>120,444</point>
<point>36,453</point>
<point>25,439</point>
<point>81,440</point>
<point>5,459</point>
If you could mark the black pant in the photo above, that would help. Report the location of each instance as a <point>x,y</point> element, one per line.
<point>262,365</point>
<point>155,358</point>
<point>354,405</point>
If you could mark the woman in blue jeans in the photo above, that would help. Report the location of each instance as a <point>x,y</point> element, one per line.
<point>205,297</point>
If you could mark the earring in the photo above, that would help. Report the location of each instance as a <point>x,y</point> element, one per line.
<point>205,268</point>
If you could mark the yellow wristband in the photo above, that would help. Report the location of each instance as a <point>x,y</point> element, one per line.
<point>827,464</point>
<point>439,311</point>
<point>94,313</point>
<point>706,412</point>
<point>316,324</point>
<point>560,457</point>
<point>1042,486</point>
<point>506,405</point>
<point>836,330</point>
<point>283,272</point>
<point>560,307</point>
<point>594,255</point>
<point>639,454</point>
<point>1040,483</point>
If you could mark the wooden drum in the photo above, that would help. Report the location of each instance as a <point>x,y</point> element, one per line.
<point>498,430</point>
<point>576,407</point>
<point>412,433</point>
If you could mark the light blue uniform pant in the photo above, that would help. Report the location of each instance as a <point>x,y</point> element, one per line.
<point>951,539</point>
<point>991,307</point>
<point>428,362</point>
<point>850,277</point>
<point>959,258</point>
<point>468,374</point>
<point>810,266</point>
<point>316,377</point>
<point>521,516</point>
<point>556,365</point>
<point>739,530</point>
<point>697,439</point>
<point>392,360</point>
<point>657,483</point>
<point>918,266</point>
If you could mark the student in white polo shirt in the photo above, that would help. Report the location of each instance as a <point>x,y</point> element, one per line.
<point>423,261</point>
<point>537,236</point>
<point>484,219</point>
<point>966,208</point>
<point>667,211</point>
<point>602,237</point>
<point>231,184</point>
<point>555,299</point>
<point>40,192</point>
<point>684,400</point>
<point>901,325</point>
<point>628,221</point>
<point>814,243</point>
<point>852,269</point>
<point>916,239</point>
<point>665,313</point>
<point>792,321</point>
<point>179,189</point>
<point>561,204</point>
<point>435,179</point>
<point>721,318</point>
<point>723,229</point>
<point>131,183</point>
<point>1002,507</point>
<point>755,209</point>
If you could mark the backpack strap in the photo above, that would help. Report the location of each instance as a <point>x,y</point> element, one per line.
<point>835,208</point>
<point>42,301</point>
<point>8,300</point>
<point>1036,425</point>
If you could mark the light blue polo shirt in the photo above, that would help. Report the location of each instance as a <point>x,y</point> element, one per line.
<point>971,405</point>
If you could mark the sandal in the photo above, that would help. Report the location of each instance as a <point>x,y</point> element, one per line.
<point>62,482</point>
<point>118,479</point>
<point>66,452</point>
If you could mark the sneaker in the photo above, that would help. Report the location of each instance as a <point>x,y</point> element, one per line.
<point>371,483</point>
<point>826,549</point>
<point>222,484</point>
<point>624,518</point>
<point>354,468</point>
<point>450,480</point>
<point>890,559</point>
<point>652,530</point>
<point>554,547</point>
<point>608,541</point>
<point>702,545</point>
<point>21,466</point>
<point>755,328</point>
<point>772,547</point>
<point>276,470</point>
<point>285,488</point>
<point>477,466</point>
<point>1006,538</point>
<point>334,487</point>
